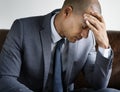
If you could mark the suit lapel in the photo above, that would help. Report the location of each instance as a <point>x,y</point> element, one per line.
<point>46,45</point>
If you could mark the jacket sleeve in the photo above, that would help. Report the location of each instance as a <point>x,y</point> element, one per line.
<point>98,68</point>
<point>10,61</point>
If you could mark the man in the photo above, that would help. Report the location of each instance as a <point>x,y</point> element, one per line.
<point>27,58</point>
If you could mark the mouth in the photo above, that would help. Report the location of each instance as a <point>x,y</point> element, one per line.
<point>75,39</point>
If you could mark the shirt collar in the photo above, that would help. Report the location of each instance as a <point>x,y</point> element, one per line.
<point>55,36</point>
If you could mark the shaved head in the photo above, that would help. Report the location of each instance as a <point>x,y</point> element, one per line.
<point>70,21</point>
<point>79,6</point>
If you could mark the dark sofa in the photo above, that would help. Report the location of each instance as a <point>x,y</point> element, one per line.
<point>114,37</point>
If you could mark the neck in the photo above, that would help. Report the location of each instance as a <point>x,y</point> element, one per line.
<point>57,23</point>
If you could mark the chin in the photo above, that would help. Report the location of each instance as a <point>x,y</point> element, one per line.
<point>73,41</point>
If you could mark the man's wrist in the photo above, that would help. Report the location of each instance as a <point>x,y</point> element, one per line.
<point>105,52</point>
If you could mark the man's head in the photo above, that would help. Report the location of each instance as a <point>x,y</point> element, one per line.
<point>79,6</point>
<point>70,21</point>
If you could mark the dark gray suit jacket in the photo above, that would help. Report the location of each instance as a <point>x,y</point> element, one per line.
<point>26,55</point>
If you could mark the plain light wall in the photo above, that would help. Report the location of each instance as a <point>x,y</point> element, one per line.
<point>111,13</point>
<point>14,9</point>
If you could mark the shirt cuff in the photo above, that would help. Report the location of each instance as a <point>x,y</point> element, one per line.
<point>105,52</point>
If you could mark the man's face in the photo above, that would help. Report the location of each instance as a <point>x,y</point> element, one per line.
<point>75,28</point>
<point>74,25</point>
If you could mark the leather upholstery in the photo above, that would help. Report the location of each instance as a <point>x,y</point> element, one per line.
<point>3,33</point>
<point>114,37</point>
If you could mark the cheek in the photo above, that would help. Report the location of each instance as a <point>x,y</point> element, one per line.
<point>77,30</point>
<point>71,29</point>
<point>67,28</point>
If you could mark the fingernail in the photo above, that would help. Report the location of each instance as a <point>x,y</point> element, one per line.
<point>87,22</point>
<point>85,15</point>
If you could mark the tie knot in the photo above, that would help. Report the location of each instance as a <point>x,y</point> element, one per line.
<point>60,43</point>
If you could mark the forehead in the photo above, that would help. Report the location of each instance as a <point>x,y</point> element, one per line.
<point>93,8</point>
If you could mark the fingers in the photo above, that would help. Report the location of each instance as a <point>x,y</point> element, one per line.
<point>98,16</point>
<point>94,21</point>
<point>91,26</point>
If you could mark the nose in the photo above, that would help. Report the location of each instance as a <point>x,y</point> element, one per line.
<point>84,33</point>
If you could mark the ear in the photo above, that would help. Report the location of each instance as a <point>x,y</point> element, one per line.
<point>68,11</point>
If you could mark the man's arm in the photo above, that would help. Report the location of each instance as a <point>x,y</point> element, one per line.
<point>10,61</point>
<point>98,67</point>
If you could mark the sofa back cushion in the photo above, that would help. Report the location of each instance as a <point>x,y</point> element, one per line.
<point>114,37</point>
<point>3,34</point>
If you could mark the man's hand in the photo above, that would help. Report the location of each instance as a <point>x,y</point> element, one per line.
<point>96,23</point>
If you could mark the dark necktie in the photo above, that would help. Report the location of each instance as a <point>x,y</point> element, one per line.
<point>57,82</point>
